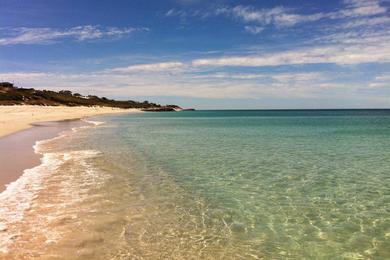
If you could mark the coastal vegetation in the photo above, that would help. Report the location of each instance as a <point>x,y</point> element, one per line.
<point>11,95</point>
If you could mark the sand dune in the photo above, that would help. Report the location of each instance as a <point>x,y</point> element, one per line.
<point>16,118</point>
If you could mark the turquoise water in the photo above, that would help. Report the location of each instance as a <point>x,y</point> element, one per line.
<point>266,184</point>
<point>220,185</point>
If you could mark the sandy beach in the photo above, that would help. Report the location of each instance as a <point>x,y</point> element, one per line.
<point>16,118</point>
<point>17,135</point>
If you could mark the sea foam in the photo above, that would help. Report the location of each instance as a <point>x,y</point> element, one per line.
<point>95,123</point>
<point>19,196</point>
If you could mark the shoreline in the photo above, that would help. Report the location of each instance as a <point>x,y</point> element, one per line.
<point>17,152</point>
<point>17,139</point>
<point>17,118</point>
<point>30,166</point>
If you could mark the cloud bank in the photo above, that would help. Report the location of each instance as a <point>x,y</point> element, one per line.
<point>27,35</point>
<point>281,16</point>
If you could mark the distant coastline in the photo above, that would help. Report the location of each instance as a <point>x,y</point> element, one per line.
<point>21,107</point>
<point>12,95</point>
<point>20,117</point>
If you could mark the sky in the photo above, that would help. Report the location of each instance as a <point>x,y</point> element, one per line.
<point>220,54</point>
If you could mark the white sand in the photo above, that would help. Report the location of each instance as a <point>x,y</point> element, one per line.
<point>16,118</point>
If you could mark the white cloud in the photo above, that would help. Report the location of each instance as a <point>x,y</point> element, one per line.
<point>154,67</point>
<point>361,8</point>
<point>253,29</point>
<point>25,35</point>
<point>381,81</point>
<point>358,39</point>
<point>279,16</point>
<point>314,87</point>
<point>299,77</point>
<point>189,13</point>
<point>353,12</point>
<point>232,76</point>
<point>175,12</point>
<point>337,55</point>
<point>338,48</point>
<point>266,77</point>
<point>370,21</point>
<point>218,85</point>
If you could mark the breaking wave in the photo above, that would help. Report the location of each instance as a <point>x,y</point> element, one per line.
<point>42,193</point>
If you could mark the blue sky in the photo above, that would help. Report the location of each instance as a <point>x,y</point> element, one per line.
<point>203,54</point>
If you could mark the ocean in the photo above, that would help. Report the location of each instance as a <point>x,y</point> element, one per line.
<point>229,184</point>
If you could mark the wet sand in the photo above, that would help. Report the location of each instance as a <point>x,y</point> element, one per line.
<point>17,152</point>
<point>22,126</point>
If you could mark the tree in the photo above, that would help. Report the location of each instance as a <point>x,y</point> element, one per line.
<point>66,92</point>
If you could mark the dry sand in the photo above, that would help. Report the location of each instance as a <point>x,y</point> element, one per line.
<point>16,118</point>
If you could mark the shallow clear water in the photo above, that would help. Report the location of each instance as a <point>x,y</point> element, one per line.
<point>221,185</point>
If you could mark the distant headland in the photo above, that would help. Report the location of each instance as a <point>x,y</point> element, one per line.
<point>12,95</point>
